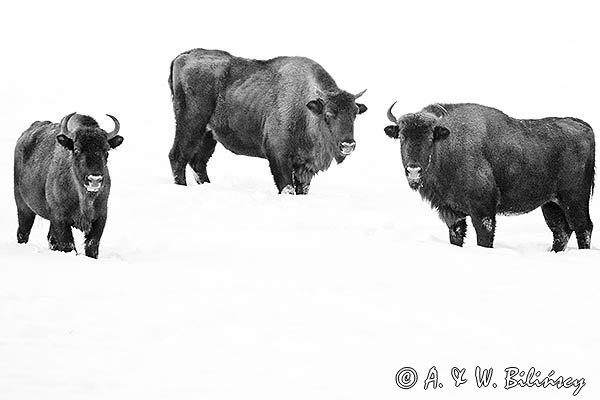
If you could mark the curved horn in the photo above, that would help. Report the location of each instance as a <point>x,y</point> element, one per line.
<point>64,125</point>
<point>356,96</point>
<point>117,126</point>
<point>390,115</point>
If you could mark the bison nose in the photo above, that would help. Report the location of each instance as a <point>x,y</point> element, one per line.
<point>347,147</point>
<point>95,178</point>
<point>93,183</point>
<point>413,172</point>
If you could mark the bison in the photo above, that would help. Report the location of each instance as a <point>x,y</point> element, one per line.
<point>61,174</point>
<point>288,110</point>
<point>472,160</point>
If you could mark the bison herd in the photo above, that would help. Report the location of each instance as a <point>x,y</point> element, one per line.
<point>464,159</point>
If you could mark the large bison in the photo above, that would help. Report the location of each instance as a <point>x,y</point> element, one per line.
<point>288,110</point>
<point>472,160</point>
<point>61,175</point>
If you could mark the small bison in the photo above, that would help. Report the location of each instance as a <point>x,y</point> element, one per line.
<point>288,110</point>
<point>472,160</point>
<point>61,174</point>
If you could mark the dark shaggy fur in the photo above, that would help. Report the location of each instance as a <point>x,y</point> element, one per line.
<point>51,171</point>
<point>288,110</point>
<point>472,160</point>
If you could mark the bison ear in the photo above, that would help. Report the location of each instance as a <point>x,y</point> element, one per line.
<point>316,106</point>
<point>65,141</point>
<point>361,108</point>
<point>115,141</point>
<point>439,133</point>
<point>392,131</point>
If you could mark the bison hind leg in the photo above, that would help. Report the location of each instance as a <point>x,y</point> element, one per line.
<point>204,150</point>
<point>26,218</point>
<point>188,136</point>
<point>557,222</point>
<point>576,209</point>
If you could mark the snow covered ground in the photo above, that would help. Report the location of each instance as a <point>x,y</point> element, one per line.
<point>228,290</point>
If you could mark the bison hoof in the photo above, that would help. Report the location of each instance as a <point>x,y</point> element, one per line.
<point>201,178</point>
<point>64,247</point>
<point>303,189</point>
<point>91,253</point>
<point>22,238</point>
<point>289,189</point>
<point>558,246</point>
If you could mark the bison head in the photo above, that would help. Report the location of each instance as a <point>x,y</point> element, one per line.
<point>337,111</point>
<point>89,146</point>
<point>418,134</point>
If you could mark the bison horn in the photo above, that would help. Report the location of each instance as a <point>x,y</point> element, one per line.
<point>356,96</point>
<point>390,115</point>
<point>64,125</point>
<point>117,126</point>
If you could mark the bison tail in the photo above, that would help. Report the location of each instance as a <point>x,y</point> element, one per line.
<point>590,173</point>
<point>171,78</point>
<point>590,168</point>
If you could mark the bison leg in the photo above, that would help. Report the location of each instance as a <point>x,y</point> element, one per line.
<point>204,151</point>
<point>557,222</point>
<point>26,218</point>
<point>578,217</point>
<point>302,188</point>
<point>187,136</point>
<point>92,238</point>
<point>301,183</point>
<point>60,237</point>
<point>456,222</point>
<point>281,168</point>
<point>485,228</point>
<point>458,232</point>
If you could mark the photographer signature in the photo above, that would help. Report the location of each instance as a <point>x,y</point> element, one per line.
<point>407,378</point>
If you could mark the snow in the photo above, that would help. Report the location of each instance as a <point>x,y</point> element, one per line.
<point>228,290</point>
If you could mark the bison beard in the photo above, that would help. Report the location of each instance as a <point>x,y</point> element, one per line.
<point>288,110</point>
<point>472,160</point>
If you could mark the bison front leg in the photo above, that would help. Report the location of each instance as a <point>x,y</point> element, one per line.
<point>281,168</point>
<point>485,227</point>
<point>60,237</point>
<point>457,225</point>
<point>301,182</point>
<point>92,238</point>
<point>457,232</point>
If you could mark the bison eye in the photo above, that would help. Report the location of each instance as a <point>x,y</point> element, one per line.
<point>77,152</point>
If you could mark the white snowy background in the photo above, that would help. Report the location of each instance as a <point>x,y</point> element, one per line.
<point>230,291</point>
